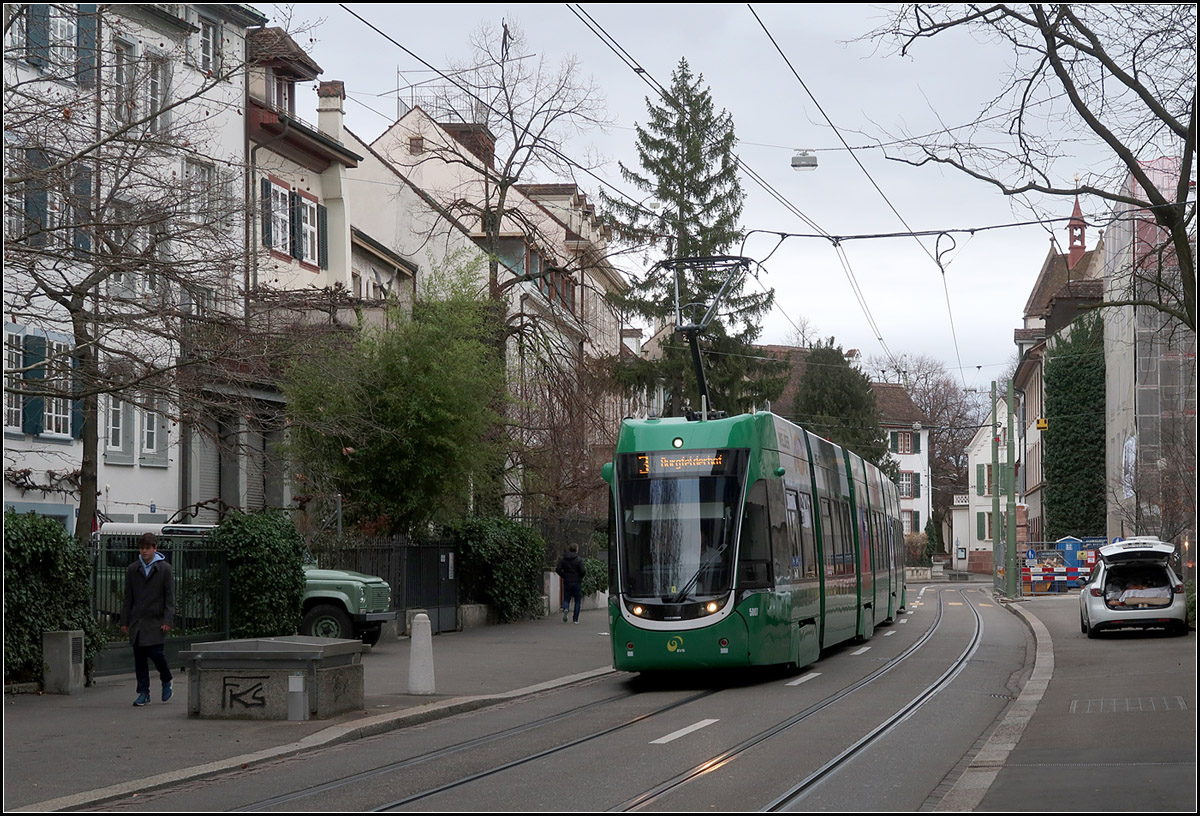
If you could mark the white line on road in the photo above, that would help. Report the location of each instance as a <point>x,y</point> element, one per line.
<point>804,679</point>
<point>682,732</point>
<point>863,650</point>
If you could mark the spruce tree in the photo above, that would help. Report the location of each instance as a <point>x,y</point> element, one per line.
<point>688,166</point>
<point>835,401</point>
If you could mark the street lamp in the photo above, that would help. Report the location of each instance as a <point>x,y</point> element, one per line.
<point>804,160</point>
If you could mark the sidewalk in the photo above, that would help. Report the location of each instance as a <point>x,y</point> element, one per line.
<point>64,751</point>
<point>69,751</point>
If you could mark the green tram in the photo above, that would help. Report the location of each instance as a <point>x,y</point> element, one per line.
<point>745,541</point>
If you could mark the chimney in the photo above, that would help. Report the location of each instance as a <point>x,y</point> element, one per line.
<point>1075,229</point>
<point>330,109</point>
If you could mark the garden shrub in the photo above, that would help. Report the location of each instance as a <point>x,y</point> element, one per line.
<point>500,563</point>
<point>266,573</point>
<point>47,588</point>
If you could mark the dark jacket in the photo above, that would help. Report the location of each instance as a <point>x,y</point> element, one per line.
<point>571,568</point>
<point>149,602</point>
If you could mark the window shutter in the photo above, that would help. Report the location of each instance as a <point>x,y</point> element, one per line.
<point>981,526</point>
<point>81,209</point>
<point>266,212</point>
<point>916,441</point>
<point>33,410</point>
<point>916,521</point>
<point>85,42</point>
<point>76,402</point>
<point>297,237</point>
<point>37,33</point>
<point>36,198</point>
<point>980,480</point>
<point>322,237</point>
<point>895,443</point>
<point>916,485</point>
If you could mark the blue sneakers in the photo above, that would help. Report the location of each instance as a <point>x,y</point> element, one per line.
<point>167,691</point>
<point>143,699</point>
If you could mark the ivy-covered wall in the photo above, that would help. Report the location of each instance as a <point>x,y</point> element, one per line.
<point>1073,444</point>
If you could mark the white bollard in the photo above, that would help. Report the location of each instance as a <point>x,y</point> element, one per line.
<point>420,656</point>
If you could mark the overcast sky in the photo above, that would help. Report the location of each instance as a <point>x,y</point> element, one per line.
<point>965,318</point>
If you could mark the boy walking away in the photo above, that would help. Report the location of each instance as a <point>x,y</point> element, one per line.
<point>147,615</point>
<point>571,569</point>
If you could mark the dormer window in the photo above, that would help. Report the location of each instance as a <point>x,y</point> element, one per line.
<point>281,92</point>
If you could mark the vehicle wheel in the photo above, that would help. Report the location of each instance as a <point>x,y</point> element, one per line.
<point>1082,625</point>
<point>327,620</point>
<point>1091,632</point>
<point>1180,629</point>
<point>372,636</point>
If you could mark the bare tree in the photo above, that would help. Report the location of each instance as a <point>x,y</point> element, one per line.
<point>954,416</point>
<point>124,222</point>
<point>1115,83</point>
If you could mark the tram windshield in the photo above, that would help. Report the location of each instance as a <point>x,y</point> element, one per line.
<point>678,522</point>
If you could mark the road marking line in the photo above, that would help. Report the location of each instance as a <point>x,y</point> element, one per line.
<point>889,634</point>
<point>682,732</point>
<point>804,679</point>
<point>863,650</point>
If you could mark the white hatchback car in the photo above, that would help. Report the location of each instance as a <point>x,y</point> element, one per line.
<point>1133,585</point>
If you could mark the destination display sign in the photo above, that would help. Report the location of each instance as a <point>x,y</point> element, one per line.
<point>665,464</point>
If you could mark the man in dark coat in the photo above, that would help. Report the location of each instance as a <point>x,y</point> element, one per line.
<point>147,615</point>
<point>571,569</point>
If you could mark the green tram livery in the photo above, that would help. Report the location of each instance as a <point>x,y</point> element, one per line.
<point>745,541</point>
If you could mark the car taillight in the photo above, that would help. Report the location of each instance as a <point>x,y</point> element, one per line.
<point>1178,588</point>
<point>1097,592</point>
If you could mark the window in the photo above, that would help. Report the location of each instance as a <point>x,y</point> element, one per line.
<point>13,357</point>
<point>280,226</point>
<point>124,70</point>
<point>14,194</point>
<point>279,92</point>
<point>63,35</point>
<point>114,438</point>
<point>210,46</point>
<point>157,93</point>
<point>150,440</point>
<point>416,145</point>
<point>294,224</point>
<point>200,190</point>
<point>308,229</point>
<point>57,419</point>
<point>905,481</point>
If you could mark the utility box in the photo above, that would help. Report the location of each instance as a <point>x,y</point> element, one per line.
<point>62,659</point>
<point>280,678</point>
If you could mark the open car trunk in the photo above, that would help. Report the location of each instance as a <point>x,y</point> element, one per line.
<point>1137,586</point>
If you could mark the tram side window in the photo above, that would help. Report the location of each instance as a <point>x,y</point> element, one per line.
<point>754,552</point>
<point>828,538</point>
<point>781,545</point>
<point>808,549</point>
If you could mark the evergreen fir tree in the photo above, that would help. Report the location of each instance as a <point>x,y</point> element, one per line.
<point>835,401</point>
<point>687,165</point>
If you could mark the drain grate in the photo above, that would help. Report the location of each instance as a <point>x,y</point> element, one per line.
<point>1119,705</point>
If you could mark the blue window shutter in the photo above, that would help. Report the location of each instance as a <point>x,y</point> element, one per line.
<point>37,33</point>
<point>266,212</point>
<point>33,409</point>
<point>76,402</point>
<point>36,197</point>
<point>322,237</point>
<point>85,43</point>
<point>81,209</point>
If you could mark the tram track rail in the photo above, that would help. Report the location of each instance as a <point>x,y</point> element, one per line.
<point>797,791</point>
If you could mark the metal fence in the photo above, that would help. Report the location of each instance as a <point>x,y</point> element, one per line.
<point>201,595</point>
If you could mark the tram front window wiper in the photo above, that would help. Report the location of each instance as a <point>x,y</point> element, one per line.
<point>707,561</point>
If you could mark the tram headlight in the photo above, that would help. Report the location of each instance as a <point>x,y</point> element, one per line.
<point>711,607</point>
<point>637,610</point>
<point>677,441</point>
